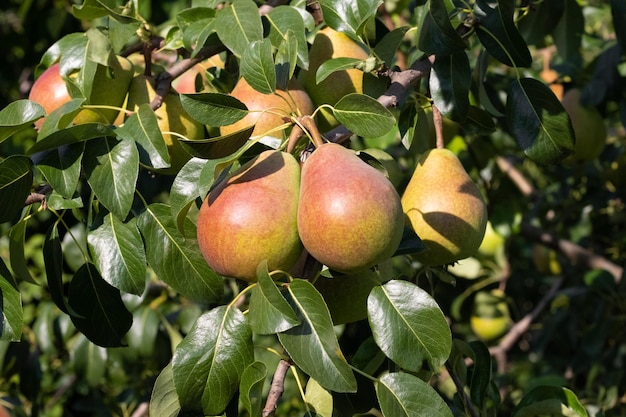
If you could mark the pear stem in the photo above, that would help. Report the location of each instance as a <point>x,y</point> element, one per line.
<point>311,127</point>
<point>294,137</point>
<point>438,122</point>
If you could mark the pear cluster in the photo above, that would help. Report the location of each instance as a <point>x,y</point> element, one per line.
<point>345,213</point>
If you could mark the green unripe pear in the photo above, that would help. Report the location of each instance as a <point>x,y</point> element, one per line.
<point>252,216</point>
<point>490,317</point>
<point>350,216</point>
<point>589,128</point>
<point>445,208</point>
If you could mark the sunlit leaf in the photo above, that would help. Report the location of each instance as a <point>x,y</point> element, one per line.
<point>62,168</point>
<point>333,65</point>
<point>405,395</point>
<point>288,24</point>
<point>257,66</point>
<point>238,25</point>
<point>12,317</point>
<point>164,400</point>
<point>549,400</point>
<point>348,15</point>
<point>449,83</point>
<point>73,134</point>
<point>364,115</point>
<point>18,115</point>
<point>214,109</point>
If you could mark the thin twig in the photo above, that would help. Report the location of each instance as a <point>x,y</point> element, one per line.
<point>277,388</point>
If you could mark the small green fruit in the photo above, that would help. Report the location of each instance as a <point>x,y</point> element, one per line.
<point>490,317</point>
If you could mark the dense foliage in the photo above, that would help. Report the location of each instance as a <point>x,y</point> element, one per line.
<point>109,307</point>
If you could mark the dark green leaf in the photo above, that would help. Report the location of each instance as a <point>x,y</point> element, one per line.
<point>112,167</point>
<point>103,317</point>
<point>288,29</point>
<point>142,336</point>
<point>498,33</point>
<point>214,109</point>
<point>53,258</point>
<point>12,317</point>
<point>363,115</point>
<point>408,325</point>
<point>313,344</point>
<point>405,395</point>
<point>175,259</point>
<point>449,82</point>
<point>73,134</point>
<point>478,122</point>
<point>18,115</point>
<point>164,400</point>
<point>193,181</point>
<point>90,362</point>
<point>143,128</point>
<point>90,9</point>
<point>549,400</point>
<point>538,24</point>
<point>16,180</point>
<point>251,388</point>
<point>437,36</point>
<point>210,360</point>
<point>387,48</point>
<point>221,147</point>
<point>118,252</point>
<point>568,33</point>
<point>348,16</point>
<point>238,25</point>
<point>17,238</point>
<point>257,66</point>
<point>538,122</point>
<point>286,59</point>
<point>269,310</point>
<point>481,374</point>
<point>62,167</point>
<point>618,12</point>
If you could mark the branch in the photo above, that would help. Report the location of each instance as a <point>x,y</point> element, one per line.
<point>39,196</point>
<point>277,388</point>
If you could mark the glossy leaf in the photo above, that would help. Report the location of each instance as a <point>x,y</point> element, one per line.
<point>73,134</point>
<point>544,400</point>
<point>498,33</point>
<point>17,240</point>
<point>437,36</point>
<point>18,115</point>
<point>214,109</point>
<point>111,166</point>
<point>53,262</point>
<point>62,168</point>
<point>16,179</point>
<point>449,82</point>
<point>251,388</point>
<point>285,60</point>
<point>143,128</point>
<point>313,345</point>
<point>142,336</point>
<point>104,318</point>
<point>348,15</point>
<point>363,115</point>
<point>210,360</point>
<point>408,325</point>
<point>405,395</point>
<point>221,147</point>
<point>177,260</point>
<point>238,25</point>
<point>118,252</point>
<point>257,66</point>
<point>164,400</point>
<point>335,64</point>
<point>318,399</point>
<point>287,24</point>
<point>538,122</point>
<point>192,182</point>
<point>12,317</point>
<point>269,311</point>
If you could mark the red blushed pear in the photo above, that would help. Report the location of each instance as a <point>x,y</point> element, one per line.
<point>350,216</point>
<point>251,217</point>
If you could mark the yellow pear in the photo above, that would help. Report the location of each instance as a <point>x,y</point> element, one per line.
<point>490,318</point>
<point>171,116</point>
<point>445,208</point>
<point>589,128</point>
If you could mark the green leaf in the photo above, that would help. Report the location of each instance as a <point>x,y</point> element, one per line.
<point>175,259</point>
<point>449,82</point>
<point>568,33</point>
<point>221,147</point>
<point>164,400</point>
<point>192,182</point>
<point>210,360</point>
<point>387,47</point>
<point>73,134</point>
<point>313,345</point>
<point>318,399</point>
<point>269,310</point>
<point>408,325</point>
<point>286,29</point>
<point>405,395</point>
<point>143,128</point>
<point>18,115</point>
<point>214,109</point>
<point>17,238</point>
<point>53,262</point>
<point>118,252</point>
<point>16,180</point>
<point>142,336</point>
<point>103,317</point>
<point>12,317</point>
<point>437,36</point>
<point>538,122</point>
<point>286,59</point>
<point>363,115</point>
<point>89,10</point>
<point>251,388</point>
<point>348,16</point>
<point>238,25</point>
<point>112,167</point>
<point>498,33</point>
<point>90,361</point>
<point>257,66</point>
<point>549,400</point>
<point>335,64</point>
<point>62,168</point>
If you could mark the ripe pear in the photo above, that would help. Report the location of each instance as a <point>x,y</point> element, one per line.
<point>188,83</point>
<point>171,116</point>
<point>350,216</point>
<point>589,128</point>
<point>445,208</point>
<point>328,44</point>
<point>110,86</point>
<point>252,216</point>
<point>277,106</point>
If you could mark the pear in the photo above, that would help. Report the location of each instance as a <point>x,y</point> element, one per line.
<point>445,208</point>
<point>350,216</point>
<point>251,216</point>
